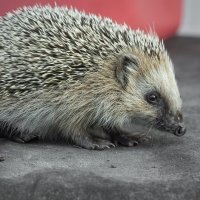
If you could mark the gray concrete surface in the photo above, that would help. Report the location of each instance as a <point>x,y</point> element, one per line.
<point>167,167</point>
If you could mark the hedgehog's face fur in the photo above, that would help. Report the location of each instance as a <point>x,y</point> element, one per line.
<point>150,90</point>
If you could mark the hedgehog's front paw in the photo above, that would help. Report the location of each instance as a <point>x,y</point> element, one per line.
<point>94,144</point>
<point>143,138</point>
<point>104,144</point>
<point>131,140</point>
<point>23,138</point>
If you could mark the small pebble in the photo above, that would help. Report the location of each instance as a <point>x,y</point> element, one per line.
<point>113,166</point>
<point>2,159</point>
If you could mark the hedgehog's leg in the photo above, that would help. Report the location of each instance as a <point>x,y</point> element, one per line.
<point>126,139</point>
<point>16,135</point>
<point>7,131</point>
<point>101,137</point>
<point>90,141</point>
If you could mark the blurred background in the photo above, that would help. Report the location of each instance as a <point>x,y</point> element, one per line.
<point>166,17</point>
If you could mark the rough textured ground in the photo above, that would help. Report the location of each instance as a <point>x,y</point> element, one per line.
<point>167,167</point>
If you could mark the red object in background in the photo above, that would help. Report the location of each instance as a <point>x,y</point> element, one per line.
<point>161,15</point>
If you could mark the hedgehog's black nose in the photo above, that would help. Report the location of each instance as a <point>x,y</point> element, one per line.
<point>180,130</point>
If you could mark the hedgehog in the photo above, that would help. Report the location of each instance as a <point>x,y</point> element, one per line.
<point>81,78</point>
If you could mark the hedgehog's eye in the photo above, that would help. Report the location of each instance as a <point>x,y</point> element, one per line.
<point>153,98</point>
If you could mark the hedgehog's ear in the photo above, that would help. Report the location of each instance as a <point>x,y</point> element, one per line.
<point>126,62</point>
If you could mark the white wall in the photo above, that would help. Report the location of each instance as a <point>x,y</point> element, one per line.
<point>190,25</point>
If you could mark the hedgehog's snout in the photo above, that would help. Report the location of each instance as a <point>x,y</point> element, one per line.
<point>173,124</point>
<point>180,130</point>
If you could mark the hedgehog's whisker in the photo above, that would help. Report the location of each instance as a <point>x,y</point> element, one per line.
<point>149,130</point>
